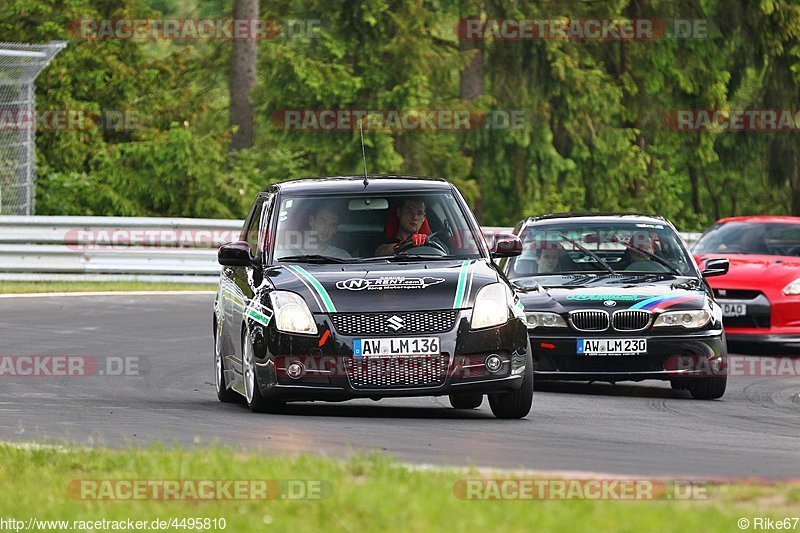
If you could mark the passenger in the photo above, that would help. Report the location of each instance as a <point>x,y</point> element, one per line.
<point>323,225</point>
<point>549,259</point>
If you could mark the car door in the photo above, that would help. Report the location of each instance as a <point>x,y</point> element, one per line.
<point>247,279</point>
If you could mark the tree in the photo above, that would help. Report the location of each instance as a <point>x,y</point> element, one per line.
<point>243,78</point>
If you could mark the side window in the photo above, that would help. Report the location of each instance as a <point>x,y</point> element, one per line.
<point>266,211</point>
<point>251,226</point>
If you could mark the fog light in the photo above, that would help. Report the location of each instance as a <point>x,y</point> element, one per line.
<point>295,370</point>
<point>493,363</point>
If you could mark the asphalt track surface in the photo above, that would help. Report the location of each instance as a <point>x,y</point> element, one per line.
<point>629,429</point>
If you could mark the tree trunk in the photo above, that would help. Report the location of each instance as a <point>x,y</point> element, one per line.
<point>471,87</point>
<point>243,78</point>
<point>695,189</point>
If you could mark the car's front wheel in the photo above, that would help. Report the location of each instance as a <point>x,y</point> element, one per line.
<point>255,401</point>
<point>515,404</point>
<point>709,388</point>
<point>224,394</point>
<point>466,400</point>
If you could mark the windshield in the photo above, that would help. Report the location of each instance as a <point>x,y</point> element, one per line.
<point>358,227</point>
<point>751,238</point>
<point>610,248</point>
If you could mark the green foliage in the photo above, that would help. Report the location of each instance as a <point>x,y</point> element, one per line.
<point>595,134</point>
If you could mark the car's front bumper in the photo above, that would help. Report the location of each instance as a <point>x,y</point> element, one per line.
<point>668,357</point>
<point>331,372</point>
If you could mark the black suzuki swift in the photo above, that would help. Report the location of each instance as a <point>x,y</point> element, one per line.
<point>368,287</point>
<point>616,298</point>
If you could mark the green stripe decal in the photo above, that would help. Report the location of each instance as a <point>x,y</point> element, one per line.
<point>462,283</point>
<point>326,299</point>
<point>258,317</point>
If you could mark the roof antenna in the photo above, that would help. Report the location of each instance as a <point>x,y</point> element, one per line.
<point>363,153</point>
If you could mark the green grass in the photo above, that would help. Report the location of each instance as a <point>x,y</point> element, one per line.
<point>17,287</point>
<point>369,493</point>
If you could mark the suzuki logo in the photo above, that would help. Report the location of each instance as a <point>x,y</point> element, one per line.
<point>395,322</point>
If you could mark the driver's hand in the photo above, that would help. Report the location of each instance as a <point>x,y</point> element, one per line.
<point>417,239</point>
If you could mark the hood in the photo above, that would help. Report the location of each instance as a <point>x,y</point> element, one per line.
<point>381,287</point>
<point>753,271</point>
<point>652,293</point>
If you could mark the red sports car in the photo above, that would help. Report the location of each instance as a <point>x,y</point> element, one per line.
<point>760,294</point>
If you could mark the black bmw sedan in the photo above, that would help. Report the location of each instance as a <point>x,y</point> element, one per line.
<point>368,287</point>
<point>618,297</point>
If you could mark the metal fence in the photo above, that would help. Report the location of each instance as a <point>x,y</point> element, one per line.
<point>179,250</point>
<point>20,64</point>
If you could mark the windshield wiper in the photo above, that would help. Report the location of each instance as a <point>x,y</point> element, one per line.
<point>592,254</point>
<point>654,257</point>
<point>312,258</point>
<point>406,257</point>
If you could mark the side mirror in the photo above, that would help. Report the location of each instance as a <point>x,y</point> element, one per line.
<point>234,254</point>
<point>506,245</point>
<point>717,266</point>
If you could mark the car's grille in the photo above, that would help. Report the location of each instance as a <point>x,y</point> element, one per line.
<point>589,320</point>
<point>631,320</point>
<point>736,294</point>
<point>394,323</point>
<point>396,372</point>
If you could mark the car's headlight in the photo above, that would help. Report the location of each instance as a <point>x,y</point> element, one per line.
<point>535,319</point>
<point>687,319</point>
<point>491,307</point>
<point>793,288</point>
<point>292,314</point>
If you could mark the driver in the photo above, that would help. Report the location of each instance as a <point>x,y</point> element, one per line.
<point>642,261</point>
<point>411,216</point>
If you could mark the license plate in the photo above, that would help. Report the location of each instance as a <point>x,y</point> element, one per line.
<point>733,309</point>
<point>611,346</point>
<point>396,346</point>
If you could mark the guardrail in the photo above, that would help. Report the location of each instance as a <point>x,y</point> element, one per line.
<point>179,250</point>
<point>182,250</point>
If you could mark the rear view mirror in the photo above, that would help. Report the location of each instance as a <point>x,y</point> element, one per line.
<point>234,254</point>
<point>717,266</point>
<point>506,245</point>
<point>368,204</point>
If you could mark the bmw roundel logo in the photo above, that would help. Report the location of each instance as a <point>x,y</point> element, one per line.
<point>609,303</point>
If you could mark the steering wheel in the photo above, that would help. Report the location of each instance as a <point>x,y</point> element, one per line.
<point>733,248</point>
<point>408,244</point>
<point>432,241</point>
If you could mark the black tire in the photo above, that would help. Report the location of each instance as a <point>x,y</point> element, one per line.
<point>255,401</point>
<point>515,404</point>
<point>224,394</point>
<point>471,400</point>
<point>709,388</point>
<point>679,384</point>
